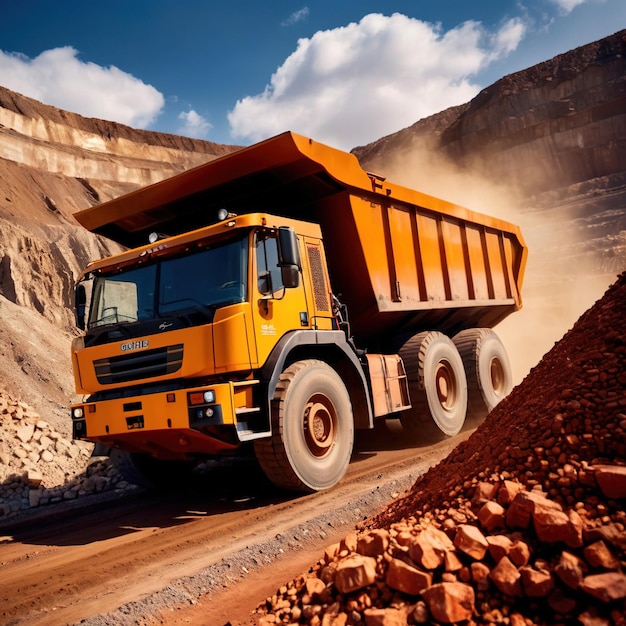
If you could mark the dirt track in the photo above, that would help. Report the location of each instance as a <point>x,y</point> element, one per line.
<point>231,536</point>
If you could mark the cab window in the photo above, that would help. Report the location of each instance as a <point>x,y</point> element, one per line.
<point>269,280</point>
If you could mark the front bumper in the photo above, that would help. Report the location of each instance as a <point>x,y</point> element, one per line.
<point>172,424</point>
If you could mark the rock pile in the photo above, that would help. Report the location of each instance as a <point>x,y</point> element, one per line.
<point>524,523</point>
<point>40,466</point>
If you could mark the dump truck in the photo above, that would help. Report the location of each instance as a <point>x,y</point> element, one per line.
<point>276,299</point>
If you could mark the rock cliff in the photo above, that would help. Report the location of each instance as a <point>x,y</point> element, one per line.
<point>557,124</point>
<point>52,164</point>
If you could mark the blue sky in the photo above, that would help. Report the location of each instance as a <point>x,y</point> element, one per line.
<point>343,72</point>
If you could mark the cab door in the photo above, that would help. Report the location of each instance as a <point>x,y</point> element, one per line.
<point>276,310</point>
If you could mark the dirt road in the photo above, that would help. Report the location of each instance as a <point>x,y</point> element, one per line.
<point>205,555</point>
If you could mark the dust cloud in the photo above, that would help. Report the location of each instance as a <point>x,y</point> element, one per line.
<point>561,280</point>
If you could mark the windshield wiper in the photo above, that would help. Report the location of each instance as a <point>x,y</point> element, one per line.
<point>113,318</point>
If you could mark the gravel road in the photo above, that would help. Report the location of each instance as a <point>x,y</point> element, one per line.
<point>207,554</point>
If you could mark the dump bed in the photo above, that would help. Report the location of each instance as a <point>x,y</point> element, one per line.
<point>401,260</point>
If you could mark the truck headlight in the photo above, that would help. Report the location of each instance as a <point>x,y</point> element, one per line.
<point>209,396</point>
<point>78,413</point>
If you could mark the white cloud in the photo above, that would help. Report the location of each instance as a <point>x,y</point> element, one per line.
<point>57,77</point>
<point>568,5</point>
<point>354,84</point>
<point>296,16</point>
<point>195,125</point>
<point>506,40</point>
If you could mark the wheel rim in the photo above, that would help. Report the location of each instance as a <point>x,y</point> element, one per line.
<point>319,425</point>
<point>498,377</point>
<point>446,385</point>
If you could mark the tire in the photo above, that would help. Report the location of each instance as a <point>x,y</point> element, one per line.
<point>150,473</point>
<point>312,429</point>
<point>437,386</point>
<point>488,371</point>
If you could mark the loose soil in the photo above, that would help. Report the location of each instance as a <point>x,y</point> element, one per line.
<point>210,553</point>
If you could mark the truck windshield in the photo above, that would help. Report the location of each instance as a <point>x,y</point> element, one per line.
<point>199,281</point>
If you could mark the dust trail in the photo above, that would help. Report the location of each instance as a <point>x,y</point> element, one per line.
<point>561,280</point>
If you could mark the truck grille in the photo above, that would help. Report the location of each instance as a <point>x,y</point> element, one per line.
<point>139,365</point>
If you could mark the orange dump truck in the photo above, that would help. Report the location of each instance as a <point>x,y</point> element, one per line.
<point>275,300</point>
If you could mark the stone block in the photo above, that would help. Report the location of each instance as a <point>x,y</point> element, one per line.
<point>373,543</point>
<point>450,602</point>
<point>506,577</point>
<point>570,570</point>
<point>491,516</point>
<point>355,572</point>
<point>471,541</point>
<point>536,583</point>
<point>428,548</point>
<point>404,577</point>
<point>611,480</point>
<point>607,587</point>
<point>598,556</point>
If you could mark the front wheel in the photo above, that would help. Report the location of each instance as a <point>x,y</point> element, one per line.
<point>312,429</point>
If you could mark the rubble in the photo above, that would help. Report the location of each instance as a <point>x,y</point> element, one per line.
<point>39,466</point>
<point>524,523</point>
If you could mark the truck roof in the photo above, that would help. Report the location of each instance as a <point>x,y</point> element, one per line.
<point>282,175</point>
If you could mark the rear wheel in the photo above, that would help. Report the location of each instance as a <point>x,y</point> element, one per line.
<point>312,429</point>
<point>437,387</point>
<point>488,371</point>
<point>150,473</point>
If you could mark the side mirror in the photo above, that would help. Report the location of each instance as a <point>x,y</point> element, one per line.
<point>290,275</point>
<point>289,257</point>
<point>80,302</point>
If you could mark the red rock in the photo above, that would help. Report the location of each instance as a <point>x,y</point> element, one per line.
<point>519,553</point>
<point>373,542</point>
<point>570,569</point>
<point>519,513</point>
<point>349,542</point>
<point>330,552</point>
<point>607,587</point>
<point>406,578</point>
<point>451,562</point>
<point>508,490</point>
<point>420,613</point>
<point>428,548</point>
<point>355,572</point>
<point>598,555</point>
<point>404,538</point>
<point>553,525</point>
<point>499,546</point>
<point>506,577</point>
<point>611,479</point>
<point>480,575</point>
<point>471,541</point>
<point>384,617</point>
<point>314,586</point>
<point>491,516</point>
<point>536,583</point>
<point>484,492</point>
<point>450,602</point>
<point>609,533</point>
